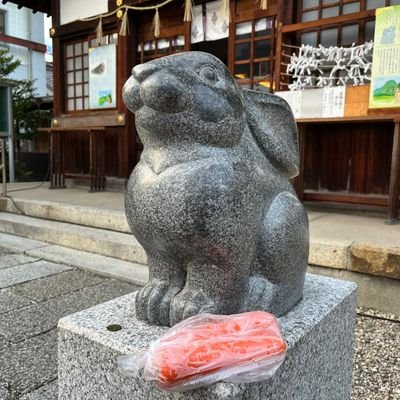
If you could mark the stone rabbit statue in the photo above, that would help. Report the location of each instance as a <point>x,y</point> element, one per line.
<point>210,200</point>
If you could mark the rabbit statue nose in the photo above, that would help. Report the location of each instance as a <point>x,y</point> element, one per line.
<point>164,92</point>
<point>142,71</point>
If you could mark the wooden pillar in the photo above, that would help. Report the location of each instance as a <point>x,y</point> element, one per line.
<point>299,180</point>
<point>231,37</point>
<point>278,54</point>
<point>126,59</point>
<point>394,188</point>
<point>188,35</point>
<point>57,61</point>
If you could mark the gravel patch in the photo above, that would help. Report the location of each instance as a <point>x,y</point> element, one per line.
<point>376,367</point>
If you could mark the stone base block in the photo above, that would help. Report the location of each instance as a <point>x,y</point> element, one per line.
<point>318,366</point>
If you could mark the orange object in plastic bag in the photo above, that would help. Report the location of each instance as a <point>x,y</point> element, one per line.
<point>208,348</point>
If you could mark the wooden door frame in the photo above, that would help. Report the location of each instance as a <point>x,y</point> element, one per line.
<point>275,10</point>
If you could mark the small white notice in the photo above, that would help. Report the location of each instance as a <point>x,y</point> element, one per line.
<point>333,102</point>
<point>293,98</point>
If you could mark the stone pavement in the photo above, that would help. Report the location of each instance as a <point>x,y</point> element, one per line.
<point>34,294</point>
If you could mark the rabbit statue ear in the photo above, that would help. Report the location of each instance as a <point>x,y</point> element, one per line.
<point>273,126</point>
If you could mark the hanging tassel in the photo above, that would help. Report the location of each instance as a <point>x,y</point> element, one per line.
<point>99,32</point>
<point>188,11</point>
<point>263,4</point>
<point>156,24</point>
<point>124,24</point>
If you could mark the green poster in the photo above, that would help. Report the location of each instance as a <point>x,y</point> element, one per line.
<point>385,77</point>
<point>4,111</point>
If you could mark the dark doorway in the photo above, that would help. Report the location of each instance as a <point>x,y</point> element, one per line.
<point>218,48</point>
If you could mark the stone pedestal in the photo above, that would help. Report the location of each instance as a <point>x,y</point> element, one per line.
<point>319,332</point>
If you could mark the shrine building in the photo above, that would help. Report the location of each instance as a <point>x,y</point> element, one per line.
<point>350,158</point>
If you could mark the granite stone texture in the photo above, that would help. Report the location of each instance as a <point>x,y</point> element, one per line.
<point>3,343</point>
<point>4,394</point>
<point>30,364</point>
<point>210,200</point>
<point>319,331</point>
<point>29,321</point>
<point>56,285</point>
<point>28,272</point>
<point>10,301</point>
<point>46,392</point>
<point>9,260</point>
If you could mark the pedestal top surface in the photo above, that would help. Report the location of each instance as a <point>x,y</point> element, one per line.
<point>321,295</point>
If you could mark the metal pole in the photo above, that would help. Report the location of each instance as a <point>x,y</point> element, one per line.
<point>3,166</point>
<point>11,138</point>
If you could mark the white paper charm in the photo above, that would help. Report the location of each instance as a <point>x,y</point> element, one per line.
<point>197,24</point>
<point>217,21</point>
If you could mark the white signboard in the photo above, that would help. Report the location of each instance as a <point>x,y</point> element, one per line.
<point>71,10</point>
<point>293,98</point>
<point>311,102</point>
<point>333,100</point>
<point>316,103</point>
<point>103,77</point>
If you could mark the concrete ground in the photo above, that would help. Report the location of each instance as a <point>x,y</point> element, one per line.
<point>78,196</point>
<point>34,294</point>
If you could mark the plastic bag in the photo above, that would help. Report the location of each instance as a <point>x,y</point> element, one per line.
<point>207,348</point>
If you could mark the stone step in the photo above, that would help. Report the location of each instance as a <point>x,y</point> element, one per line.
<point>332,254</point>
<point>113,220</point>
<point>94,240</point>
<point>369,258</point>
<point>338,252</point>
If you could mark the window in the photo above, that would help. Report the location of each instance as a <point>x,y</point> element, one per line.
<point>151,49</point>
<point>254,53</point>
<point>313,10</point>
<point>339,34</point>
<point>77,72</point>
<point>2,22</point>
<point>77,76</point>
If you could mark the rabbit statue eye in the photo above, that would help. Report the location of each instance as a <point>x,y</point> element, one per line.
<point>208,74</point>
